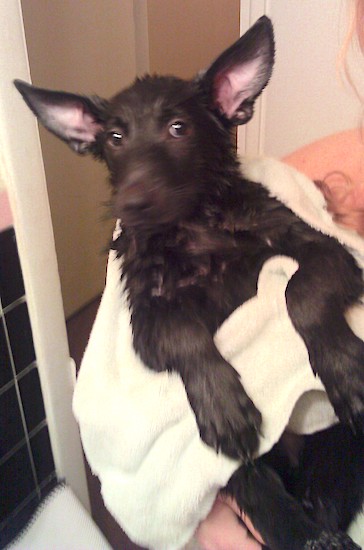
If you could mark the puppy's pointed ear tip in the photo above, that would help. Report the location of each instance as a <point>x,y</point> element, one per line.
<point>264,28</point>
<point>21,85</point>
<point>264,24</point>
<point>265,20</point>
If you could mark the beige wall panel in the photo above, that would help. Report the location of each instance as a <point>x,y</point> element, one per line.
<point>186,35</point>
<point>87,47</point>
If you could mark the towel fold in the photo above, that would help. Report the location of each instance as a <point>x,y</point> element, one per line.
<point>159,480</point>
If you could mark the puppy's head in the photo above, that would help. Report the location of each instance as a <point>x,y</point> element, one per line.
<point>163,137</point>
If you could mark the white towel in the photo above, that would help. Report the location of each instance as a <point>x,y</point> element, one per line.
<point>159,480</point>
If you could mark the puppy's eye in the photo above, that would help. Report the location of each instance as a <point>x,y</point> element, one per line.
<point>115,138</point>
<point>178,129</point>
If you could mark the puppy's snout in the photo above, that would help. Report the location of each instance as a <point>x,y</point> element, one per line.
<point>136,199</point>
<point>135,196</point>
<point>151,190</point>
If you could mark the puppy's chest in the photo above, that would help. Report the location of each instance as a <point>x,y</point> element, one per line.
<point>223,276</point>
<point>169,273</point>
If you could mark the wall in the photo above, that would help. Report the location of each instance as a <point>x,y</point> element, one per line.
<point>186,36</point>
<point>307,98</point>
<point>84,47</point>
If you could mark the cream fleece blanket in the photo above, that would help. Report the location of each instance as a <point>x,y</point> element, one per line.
<point>159,480</point>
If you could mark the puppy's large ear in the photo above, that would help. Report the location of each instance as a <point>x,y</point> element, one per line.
<point>74,119</point>
<point>239,75</point>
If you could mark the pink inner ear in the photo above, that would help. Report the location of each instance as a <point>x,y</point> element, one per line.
<point>235,85</point>
<point>74,122</point>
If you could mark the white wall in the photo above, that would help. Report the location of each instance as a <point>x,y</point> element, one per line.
<point>306,98</point>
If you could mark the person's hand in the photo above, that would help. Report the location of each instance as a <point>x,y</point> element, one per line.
<point>222,530</point>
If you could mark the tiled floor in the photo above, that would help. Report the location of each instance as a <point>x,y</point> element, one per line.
<point>78,329</point>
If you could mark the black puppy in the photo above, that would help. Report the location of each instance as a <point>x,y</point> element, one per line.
<point>195,235</point>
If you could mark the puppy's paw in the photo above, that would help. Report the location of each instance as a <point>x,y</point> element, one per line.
<point>332,541</point>
<point>346,391</point>
<point>226,417</point>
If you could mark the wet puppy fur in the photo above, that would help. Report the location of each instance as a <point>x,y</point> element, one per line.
<point>195,234</point>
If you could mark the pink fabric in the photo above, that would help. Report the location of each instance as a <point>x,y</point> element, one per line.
<point>341,153</point>
<point>338,162</point>
<point>6,218</point>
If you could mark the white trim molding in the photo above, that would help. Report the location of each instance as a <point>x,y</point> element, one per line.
<point>251,136</point>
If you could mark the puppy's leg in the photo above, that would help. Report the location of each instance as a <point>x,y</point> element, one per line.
<point>326,283</point>
<point>331,477</point>
<point>174,337</point>
<point>278,517</point>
